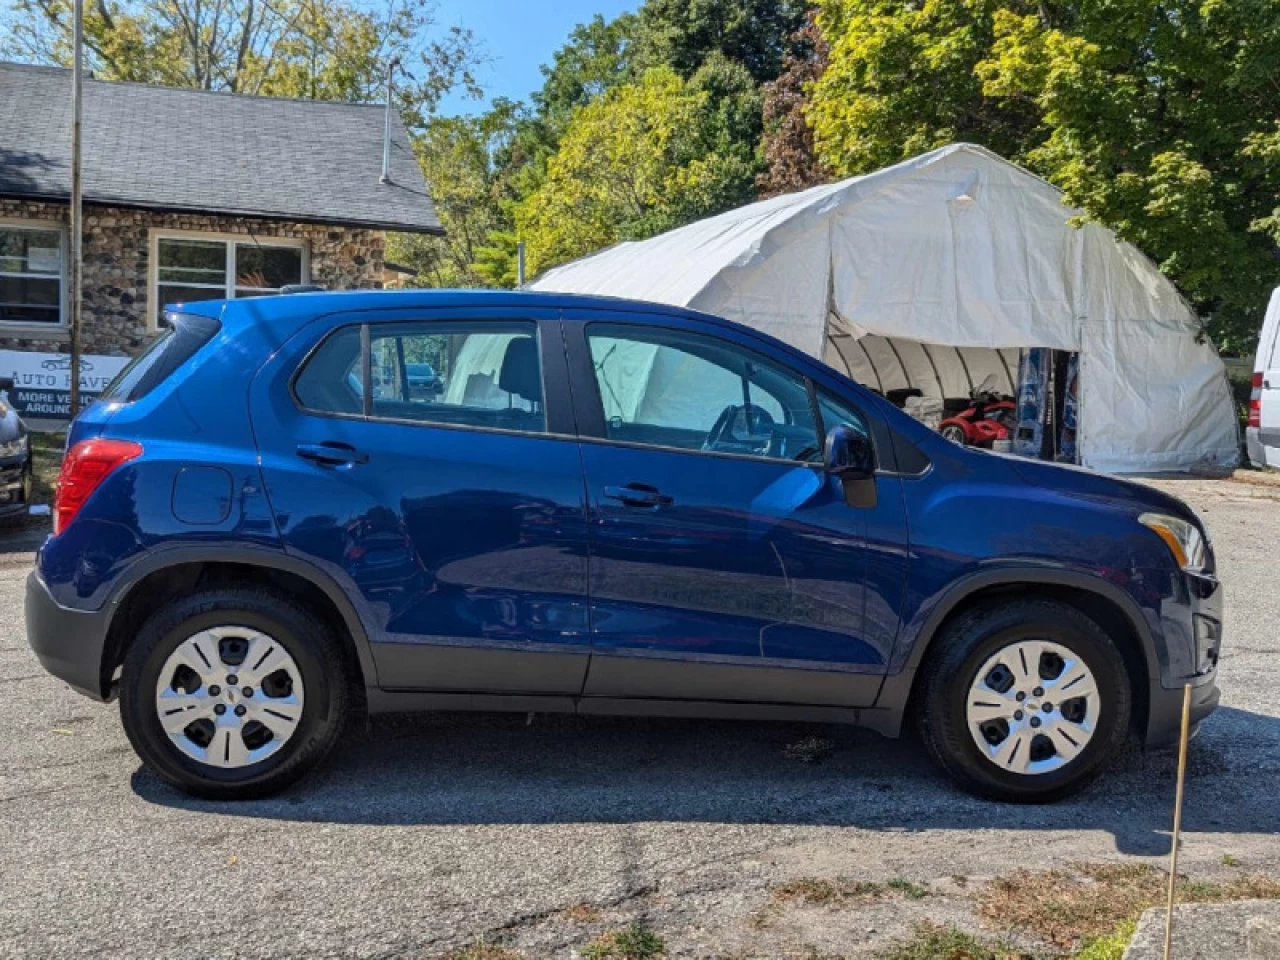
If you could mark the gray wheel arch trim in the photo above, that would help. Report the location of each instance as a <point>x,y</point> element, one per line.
<point>267,558</point>
<point>897,687</point>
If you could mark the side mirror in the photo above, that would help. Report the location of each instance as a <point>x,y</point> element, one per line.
<point>848,454</point>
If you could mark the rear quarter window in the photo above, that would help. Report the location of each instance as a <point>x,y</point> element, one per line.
<point>185,335</point>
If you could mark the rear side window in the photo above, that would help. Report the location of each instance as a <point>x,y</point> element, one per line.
<point>186,334</point>
<point>482,374</point>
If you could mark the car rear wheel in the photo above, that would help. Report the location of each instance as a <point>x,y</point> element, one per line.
<point>233,693</point>
<point>955,434</point>
<point>1024,701</point>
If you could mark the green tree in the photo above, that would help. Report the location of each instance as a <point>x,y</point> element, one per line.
<point>683,34</point>
<point>1161,123</point>
<point>316,49</point>
<point>599,55</point>
<point>901,80</point>
<point>1155,117</point>
<point>640,159</point>
<point>458,156</point>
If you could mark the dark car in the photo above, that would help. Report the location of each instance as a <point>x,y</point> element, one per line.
<point>15,460</point>
<point>423,380</point>
<point>626,509</point>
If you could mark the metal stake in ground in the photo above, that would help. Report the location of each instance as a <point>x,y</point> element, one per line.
<point>1177,815</point>
<point>77,226</point>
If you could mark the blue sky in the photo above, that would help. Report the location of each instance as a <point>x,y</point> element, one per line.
<point>518,36</point>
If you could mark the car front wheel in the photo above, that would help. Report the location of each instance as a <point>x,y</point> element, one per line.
<point>1024,701</point>
<point>233,693</point>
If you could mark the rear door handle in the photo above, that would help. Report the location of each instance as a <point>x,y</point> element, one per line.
<point>638,495</point>
<point>331,453</point>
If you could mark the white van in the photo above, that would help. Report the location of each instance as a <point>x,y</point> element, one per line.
<point>1263,432</point>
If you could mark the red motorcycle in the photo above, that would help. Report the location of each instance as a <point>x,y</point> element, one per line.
<point>989,418</point>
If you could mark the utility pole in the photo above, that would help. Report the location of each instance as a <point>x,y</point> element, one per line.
<point>77,214</point>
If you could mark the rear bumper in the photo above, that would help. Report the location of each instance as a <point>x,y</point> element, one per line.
<point>68,643</point>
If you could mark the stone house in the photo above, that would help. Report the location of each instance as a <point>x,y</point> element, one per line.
<point>188,195</point>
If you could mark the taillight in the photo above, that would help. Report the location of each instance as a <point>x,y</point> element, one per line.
<point>1255,401</point>
<point>83,470</point>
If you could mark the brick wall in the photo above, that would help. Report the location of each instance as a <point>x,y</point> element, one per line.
<point>117,246</point>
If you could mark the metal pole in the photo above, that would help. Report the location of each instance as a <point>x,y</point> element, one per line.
<point>77,218</point>
<point>520,263</point>
<point>1177,815</point>
<point>386,127</point>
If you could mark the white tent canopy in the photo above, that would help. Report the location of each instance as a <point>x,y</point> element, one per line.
<point>934,274</point>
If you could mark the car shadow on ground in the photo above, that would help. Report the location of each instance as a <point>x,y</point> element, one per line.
<point>501,769</point>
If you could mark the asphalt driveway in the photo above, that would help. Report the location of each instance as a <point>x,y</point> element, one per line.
<point>426,834</point>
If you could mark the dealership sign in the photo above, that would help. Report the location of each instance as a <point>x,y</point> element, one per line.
<point>42,381</point>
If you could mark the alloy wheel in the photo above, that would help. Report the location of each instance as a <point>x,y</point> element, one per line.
<point>229,696</point>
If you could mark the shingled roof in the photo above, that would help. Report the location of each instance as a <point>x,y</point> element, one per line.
<point>191,150</point>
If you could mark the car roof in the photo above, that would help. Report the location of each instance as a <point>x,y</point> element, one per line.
<point>272,309</point>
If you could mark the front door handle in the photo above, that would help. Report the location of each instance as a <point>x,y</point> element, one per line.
<point>639,495</point>
<point>331,453</point>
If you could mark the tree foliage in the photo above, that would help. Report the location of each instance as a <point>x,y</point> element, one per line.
<point>1155,117</point>
<point>313,49</point>
<point>790,160</point>
<point>642,158</point>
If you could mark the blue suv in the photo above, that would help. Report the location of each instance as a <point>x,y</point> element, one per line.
<point>265,526</point>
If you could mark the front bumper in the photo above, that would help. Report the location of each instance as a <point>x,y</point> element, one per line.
<point>1196,619</point>
<point>14,484</point>
<point>68,643</point>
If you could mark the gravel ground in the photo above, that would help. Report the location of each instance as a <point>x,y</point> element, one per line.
<point>425,834</point>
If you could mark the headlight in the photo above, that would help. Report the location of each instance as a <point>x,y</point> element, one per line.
<point>1183,539</point>
<point>14,448</point>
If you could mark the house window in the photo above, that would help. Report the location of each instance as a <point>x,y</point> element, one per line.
<point>190,268</point>
<point>30,275</point>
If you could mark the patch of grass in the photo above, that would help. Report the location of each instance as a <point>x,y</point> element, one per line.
<point>1111,946</point>
<point>636,942</point>
<point>934,942</point>
<point>809,750</point>
<point>1229,861</point>
<point>912,891</point>
<point>820,891</point>
<point>1067,908</point>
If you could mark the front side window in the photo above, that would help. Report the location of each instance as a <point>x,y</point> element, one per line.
<point>198,268</point>
<point>30,275</point>
<point>692,392</point>
<point>482,374</point>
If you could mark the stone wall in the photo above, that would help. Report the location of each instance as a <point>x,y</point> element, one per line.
<point>117,246</point>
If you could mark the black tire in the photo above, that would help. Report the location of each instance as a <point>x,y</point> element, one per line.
<point>955,434</point>
<point>962,649</point>
<point>308,641</point>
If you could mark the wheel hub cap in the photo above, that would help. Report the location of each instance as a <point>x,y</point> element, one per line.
<point>243,722</point>
<point>1032,707</point>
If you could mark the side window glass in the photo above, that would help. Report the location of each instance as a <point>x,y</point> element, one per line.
<point>330,382</point>
<point>836,412</point>
<point>692,392</point>
<point>483,374</point>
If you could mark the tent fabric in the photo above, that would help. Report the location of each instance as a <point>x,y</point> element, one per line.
<point>934,273</point>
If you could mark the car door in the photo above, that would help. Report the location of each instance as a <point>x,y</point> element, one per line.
<point>454,517</point>
<point>726,564</point>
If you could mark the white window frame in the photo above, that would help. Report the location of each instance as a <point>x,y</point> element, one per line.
<point>53,331</point>
<point>229,241</point>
